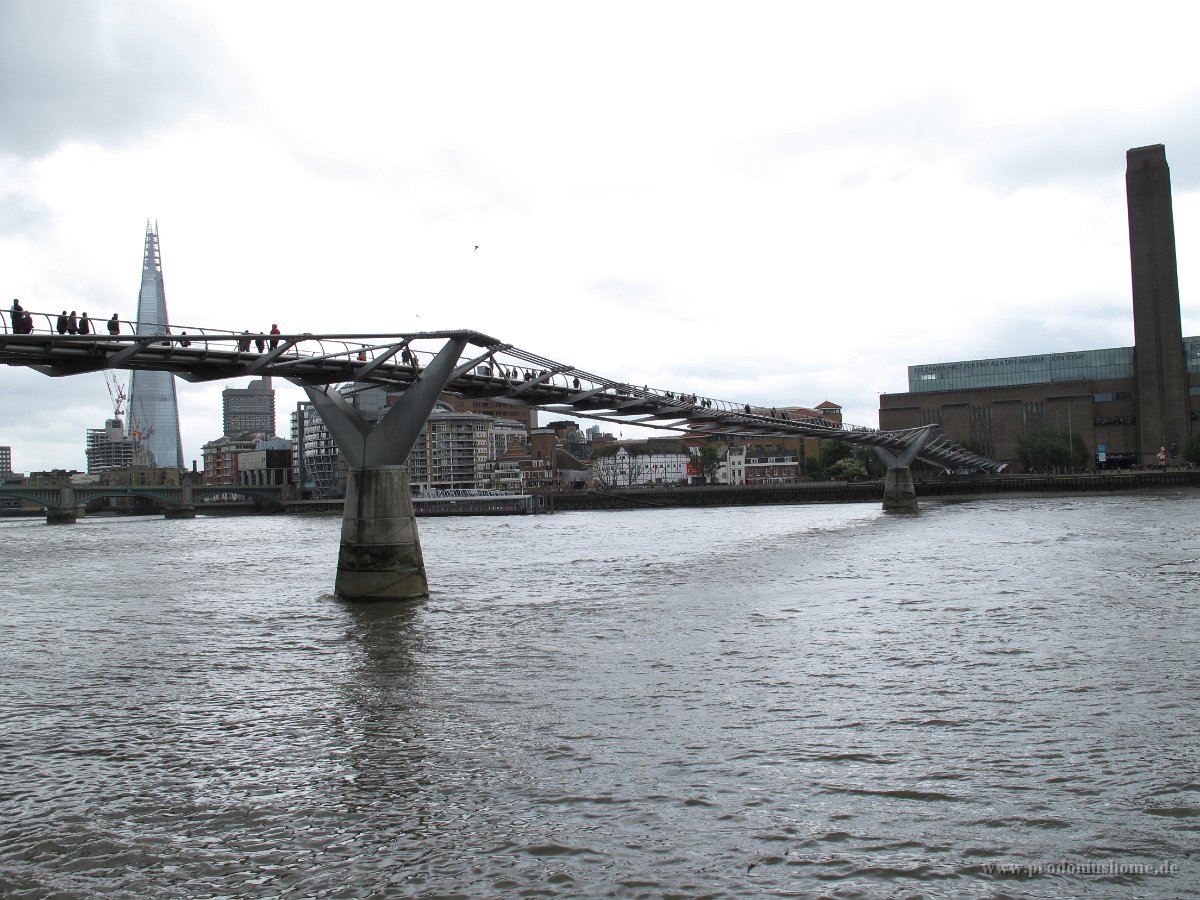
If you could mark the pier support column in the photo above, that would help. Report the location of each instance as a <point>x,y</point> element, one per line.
<point>380,555</point>
<point>899,491</point>
<point>67,513</point>
<point>186,509</point>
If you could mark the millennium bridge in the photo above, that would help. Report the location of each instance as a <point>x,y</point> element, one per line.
<point>380,554</point>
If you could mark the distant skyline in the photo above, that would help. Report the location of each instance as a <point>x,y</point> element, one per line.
<point>776,204</point>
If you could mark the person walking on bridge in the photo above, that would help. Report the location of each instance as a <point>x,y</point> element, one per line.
<point>85,327</point>
<point>72,323</point>
<point>274,336</point>
<point>114,325</point>
<point>18,317</point>
<point>62,323</point>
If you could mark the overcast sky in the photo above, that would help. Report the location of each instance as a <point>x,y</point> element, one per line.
<point>773,203</point>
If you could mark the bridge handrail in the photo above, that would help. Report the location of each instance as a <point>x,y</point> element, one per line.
<point>502,365</point>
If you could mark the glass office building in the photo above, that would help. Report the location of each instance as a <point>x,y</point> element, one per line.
<point>1046,368</point>
<point>153,413</point>
<point>1084,365</point>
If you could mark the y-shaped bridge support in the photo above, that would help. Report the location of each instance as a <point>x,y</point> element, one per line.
<point>380,556</point>
<point>899,493</point>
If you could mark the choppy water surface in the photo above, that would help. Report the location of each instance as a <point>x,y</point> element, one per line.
<point>786,701</point>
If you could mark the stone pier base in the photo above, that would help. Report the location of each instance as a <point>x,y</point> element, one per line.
<point>180,512</point>
<point>62,516</point>
<point>899,492</point>
<point>380,557</point>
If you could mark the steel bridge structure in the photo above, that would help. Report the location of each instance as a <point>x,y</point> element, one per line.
<point>380,555</point>
<point>488,368</point>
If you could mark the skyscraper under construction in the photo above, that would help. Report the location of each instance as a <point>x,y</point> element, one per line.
<point>153,417</point>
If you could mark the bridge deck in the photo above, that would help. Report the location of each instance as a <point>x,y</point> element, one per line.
<point>489,369</point>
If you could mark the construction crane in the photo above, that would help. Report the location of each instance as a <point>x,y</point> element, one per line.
<point>115,392</point>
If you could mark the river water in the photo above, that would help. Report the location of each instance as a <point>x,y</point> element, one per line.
<point>991,698</point>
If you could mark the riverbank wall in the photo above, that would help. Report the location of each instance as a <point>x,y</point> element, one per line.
<point>947,487</point>
<point>684,496</point>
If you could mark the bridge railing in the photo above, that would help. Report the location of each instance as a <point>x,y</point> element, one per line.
<point>513,365</point>
<point>508,371</point>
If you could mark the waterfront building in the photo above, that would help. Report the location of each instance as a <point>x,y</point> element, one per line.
<point>765,463</point>
<point>318,468</point>
<point>553,466</point>
<point>507,433</point>
<point>656,460</point>
<point>1124,403</point>
<point>269,463</point>
<point>221,457</point>
<point>153,408</point>
<point>452,451</point>
<point>542,465</point>
<point>249,409</point>
<point>774,460</point>
<point>571,437</point>
<point>495,408</point>
<point>6,474</point>
<point>507,472</point>
<point>248,459</point>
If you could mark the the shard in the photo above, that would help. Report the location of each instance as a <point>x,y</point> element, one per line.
<point>153,418</point>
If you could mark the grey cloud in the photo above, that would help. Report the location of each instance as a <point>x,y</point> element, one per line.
<point>47,418</point>
<point>1083,149</point>
<point>929,125</point>
<point>82,70</point>
<point>21,213</point>
<point>1089,150</point>
<point>1080,323</point>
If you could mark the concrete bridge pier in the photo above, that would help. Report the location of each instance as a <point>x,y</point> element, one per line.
<point>899,492</point>
<point>380,556</point>
<point>186,509</point>
<point>67,513</point>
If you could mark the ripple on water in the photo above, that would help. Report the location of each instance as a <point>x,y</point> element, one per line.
<point>792,700</point>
